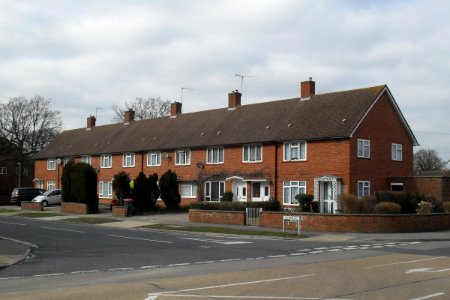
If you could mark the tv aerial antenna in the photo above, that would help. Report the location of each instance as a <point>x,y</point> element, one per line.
<point>242,80</point>
<point>182,90</point>
<point>96,110</point>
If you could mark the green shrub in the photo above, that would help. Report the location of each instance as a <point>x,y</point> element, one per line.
<point>405,200</point>
<point>388,208</point>
<point>425,207</point>
<point>304,201</point>
<point>351,204</point>
<point>446,206</point>
<point>121,185</point>
<point>168,185</point>
<point>369,203</point>
<point>271,205</point>
<point>79,184</point>
<point>227,197</point>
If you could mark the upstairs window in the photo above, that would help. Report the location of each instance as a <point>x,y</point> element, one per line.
<point>252,153</point>
<point>86,159</point>
<point>51,164</point>
<point>183,157</point>
<point>294,151</point>
<point>128,160</point>
<point>106,161</point>
<point>214,155</point>
<point>397,152</point>
<point>363,148</point>
<point>153,158</point>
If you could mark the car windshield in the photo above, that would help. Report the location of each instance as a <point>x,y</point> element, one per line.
<point>47,193</point>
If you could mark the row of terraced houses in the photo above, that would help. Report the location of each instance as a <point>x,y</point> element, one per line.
<point>354,141</point>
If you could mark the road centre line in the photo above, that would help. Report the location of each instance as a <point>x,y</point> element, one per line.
<point>151,267</point>
<point>405,262</point>
<point>62,229</point>
<point>429,296</point>
<point>139,239</point>
<point>48,275</point>
<point>13,223</point>
<point>194,296</point>
<point>153,296</point>
<point>84,272</point>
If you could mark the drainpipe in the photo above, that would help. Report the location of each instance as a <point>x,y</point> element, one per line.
<point>142,162</point>
<point>276,172</point>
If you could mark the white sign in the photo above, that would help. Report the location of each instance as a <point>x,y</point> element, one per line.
<point>291,218</point>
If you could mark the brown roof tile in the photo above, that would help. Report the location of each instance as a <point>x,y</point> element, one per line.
<point>321,117</point>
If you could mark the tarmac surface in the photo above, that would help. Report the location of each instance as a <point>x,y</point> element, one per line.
<point>13,251</point>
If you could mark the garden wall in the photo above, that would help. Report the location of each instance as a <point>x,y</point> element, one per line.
<point>217,217</point>
<point>28,205</point>
<point>74,208</point>
<point>360,223</point>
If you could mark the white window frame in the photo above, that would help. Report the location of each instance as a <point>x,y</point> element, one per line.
<point>51,185</point>
<point>128,160</point>
<point>106,161</point>
<point>363,148</point>
<point>153,158</point>
<point>3,170</point>
<point>190,187</point>
<point>40,184</point>
<point>252,150</point>
<point>208,189</point>
<point>363,188</point>
<point>86,159</point>
<point>397,152</point>
<point>215,155</point>
<point>101,187</point>
<point>182,157</point>
<point>289,188</point>
<point>289,147</point>
<point>51,164</point>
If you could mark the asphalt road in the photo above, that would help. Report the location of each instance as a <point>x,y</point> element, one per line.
<point>137,264</point>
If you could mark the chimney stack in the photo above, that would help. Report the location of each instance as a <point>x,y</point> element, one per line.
<point>90,122</point>
<point>175,109</point>
<point>129,116</point>
<point>307,89</point>
<point>234,99</point>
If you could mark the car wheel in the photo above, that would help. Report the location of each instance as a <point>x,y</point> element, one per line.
<point>44,203</point>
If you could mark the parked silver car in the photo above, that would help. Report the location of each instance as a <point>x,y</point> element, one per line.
<point>49,197</point>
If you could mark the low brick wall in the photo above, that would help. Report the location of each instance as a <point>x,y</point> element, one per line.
<point>74,208</point>
<point>360,223</point>
<point>119,211</point>
<point>217,217</point>
<point>28,205</point>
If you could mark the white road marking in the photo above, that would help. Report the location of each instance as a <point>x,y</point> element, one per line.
<point>223,242</point>
<point>151,267</point>
<point>48,275</point>
<point>84,272</point>
<point>429,296</point>
<point>62,229</point>
<point>276,256</point>
<point>194,296</point>
<point>426,270</point>
<point>139,239</point>
<point>120,269</point>
<point>13,223</point>
<point>405,262</point>
<point>297,254</point>
<point>334,250</point>
<point>205,262</point>
<point>153,296</point>
<point>230,259</point>
<point>316,252</point>
<point>11,278</point>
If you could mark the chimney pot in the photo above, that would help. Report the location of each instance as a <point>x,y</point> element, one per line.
<point>175,109</point>
<point>90,122</point>
<point>129,116</point>
<point>234,99</point>
<point>307,89</point>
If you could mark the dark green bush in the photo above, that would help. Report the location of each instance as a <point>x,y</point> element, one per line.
<point>227,197</point>
<point>271,205</point>
<point>79,184</point>
<point>145,192</point>
<point>388,208</point>
<point>168,185</point>
<point>304,201</point>
<point>121,185</point>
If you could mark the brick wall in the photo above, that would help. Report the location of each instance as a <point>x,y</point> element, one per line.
<point>28,205</point>
<point>360,223</point>
<point>217,217</point>
<point>436,186</point>
<point>74,208</point>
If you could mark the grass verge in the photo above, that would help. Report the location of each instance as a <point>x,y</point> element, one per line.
<point>37,214</point>
<point>223,230</point>
<point>7,210</point>
<point>90,220</point>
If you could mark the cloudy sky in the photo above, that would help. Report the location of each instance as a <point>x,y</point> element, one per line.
<point>88,54</point>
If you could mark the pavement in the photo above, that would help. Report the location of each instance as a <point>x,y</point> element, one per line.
<point>13,251</point>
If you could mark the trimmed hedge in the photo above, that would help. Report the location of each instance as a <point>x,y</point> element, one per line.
<point>388,208</point>
<point>271,205</point>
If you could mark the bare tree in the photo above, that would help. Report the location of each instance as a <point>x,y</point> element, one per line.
<point>29,124</point>
<point>427,160</point>
<point>152,107</point>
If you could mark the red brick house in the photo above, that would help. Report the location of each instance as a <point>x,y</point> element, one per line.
<point>350,141</point>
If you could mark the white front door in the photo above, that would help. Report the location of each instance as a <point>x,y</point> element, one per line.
<point>240,191</point>
<point>327,202</point>
<point>260,191</point>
